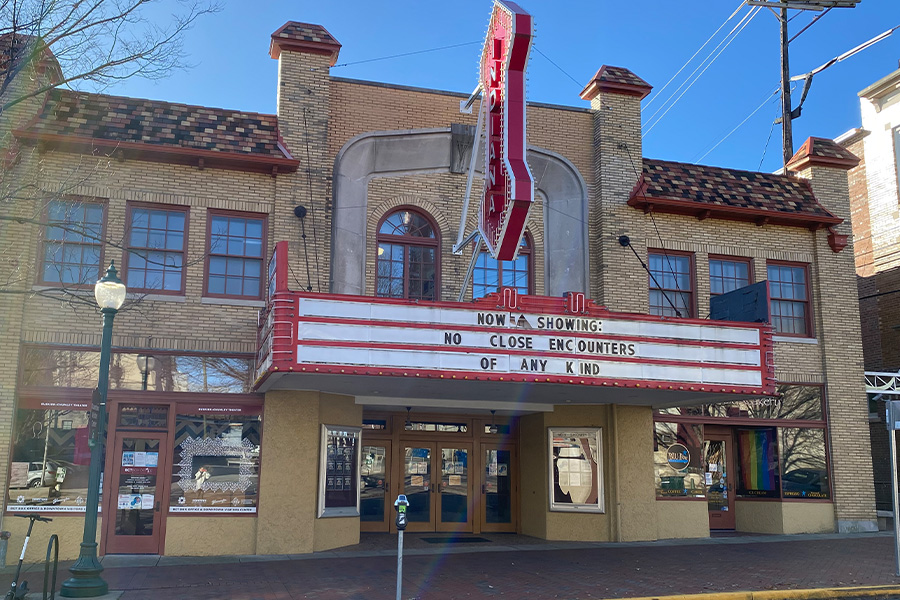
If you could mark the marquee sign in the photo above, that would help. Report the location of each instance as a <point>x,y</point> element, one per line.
<point>508,187</point>
<point>508,337</point>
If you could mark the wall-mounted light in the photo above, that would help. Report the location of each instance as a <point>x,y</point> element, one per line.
<point>493,428</point>
<point>408,426</point>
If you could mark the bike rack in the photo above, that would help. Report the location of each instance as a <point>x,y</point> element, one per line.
<point>53,544</point>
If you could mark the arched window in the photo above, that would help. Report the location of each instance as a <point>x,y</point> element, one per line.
<point>408,254</point>
<point>490,274</point>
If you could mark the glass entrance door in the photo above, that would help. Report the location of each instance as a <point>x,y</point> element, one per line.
<point>717,450</point>
<point>375,503</point>
<point>498,488</point>
<point>135,518</point>
<point>436,483</point>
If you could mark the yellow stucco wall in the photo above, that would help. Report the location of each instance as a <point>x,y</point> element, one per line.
<point>70,530</point>
<point>681,519</point>
<point>633,455</point>
<point>210,536</point>
<point>288,486</point>
<point>784,517</point>
<point>808,517</point>
<point>533,502</point>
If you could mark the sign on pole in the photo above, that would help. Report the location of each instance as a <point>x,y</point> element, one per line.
<point>508,187</point>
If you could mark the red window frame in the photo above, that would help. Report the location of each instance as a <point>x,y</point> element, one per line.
<point>42,247</point>
<point>692,275</point>
<point>264,217</point>
<point>129,249</point>
<point>810,332</point>
<point>733,259</point>
<point>527,251</point>
<point>408,241</point>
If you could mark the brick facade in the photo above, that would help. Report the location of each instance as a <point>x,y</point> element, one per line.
<point>318,116</point>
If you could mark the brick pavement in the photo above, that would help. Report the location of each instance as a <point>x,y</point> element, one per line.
<point>538,570</point>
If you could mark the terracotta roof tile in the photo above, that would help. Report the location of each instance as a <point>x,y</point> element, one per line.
<point>304,37</point>
<point>616,79</point>
<point>714,191</point>
<point>166,124</point>
<point>822,152</point>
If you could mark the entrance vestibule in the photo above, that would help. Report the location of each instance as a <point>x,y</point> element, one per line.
<point>457,474</point>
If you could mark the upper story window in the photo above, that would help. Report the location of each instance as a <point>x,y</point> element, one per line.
<point>235,254</point>
<point>789,294</point>
<point>408,253</point>
<point>73,243</point>
<point>671,283</point>
<point>157,242</point>
<point>490,274</point>
<point>728,274</point>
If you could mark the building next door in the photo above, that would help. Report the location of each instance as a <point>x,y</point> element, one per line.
<point>718,453</point>
<point>136,498</point>
<point>437,484</point>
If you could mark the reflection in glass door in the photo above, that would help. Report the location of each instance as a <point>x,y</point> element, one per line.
<point>136,494</point>
<point>454,490</point>
<point>375,507</point>
<point>417,486</point>
<point>719,476</point>
<point>498,488</point>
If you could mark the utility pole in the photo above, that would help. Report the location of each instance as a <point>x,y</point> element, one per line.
<point>787,133</point>
<point>782,6</point>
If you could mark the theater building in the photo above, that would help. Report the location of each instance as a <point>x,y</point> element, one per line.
<point>301,344</point>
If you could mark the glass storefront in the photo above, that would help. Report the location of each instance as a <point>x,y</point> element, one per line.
<point>774,458</point>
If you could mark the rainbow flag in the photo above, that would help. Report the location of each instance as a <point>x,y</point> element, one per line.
<point>757,462</point>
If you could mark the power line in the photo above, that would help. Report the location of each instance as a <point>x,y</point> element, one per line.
<point>368,60</point>
<point>536,49</point>
<point>738,126</point>
<point>718,50</point>
<point>716,32</point>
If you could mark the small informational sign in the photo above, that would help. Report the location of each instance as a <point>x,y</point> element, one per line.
<point>18,475</point>
<point>147,501</point>
<point>127,501</point>
<point>709,479</point>
<point>455,480</point>
<point>416,481</point>
<point>678,457</point>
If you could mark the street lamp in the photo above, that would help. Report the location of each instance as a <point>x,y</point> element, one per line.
<point>86,581</point>
<point>145,363</point>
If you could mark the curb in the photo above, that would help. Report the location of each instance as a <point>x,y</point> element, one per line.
<point>811,594</point>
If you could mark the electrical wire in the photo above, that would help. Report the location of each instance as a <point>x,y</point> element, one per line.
<point>738,126</point>
<point>538,50</point>
<point>718,50</point>
<point>715,33</point>
<point>368,60</point>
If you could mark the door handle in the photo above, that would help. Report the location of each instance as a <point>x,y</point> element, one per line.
<point>157,506</point>
<point>483,489</point>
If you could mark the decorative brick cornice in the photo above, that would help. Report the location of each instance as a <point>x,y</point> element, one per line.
<point>822,152</point>
<point>616,80</point>
<point>304,37</point>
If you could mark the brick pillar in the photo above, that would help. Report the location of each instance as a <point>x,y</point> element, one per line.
<point>615,95</point>
<point>825,165</point>
<point>305,54</point>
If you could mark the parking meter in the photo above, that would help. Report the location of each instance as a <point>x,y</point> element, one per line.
<point>400,505</point>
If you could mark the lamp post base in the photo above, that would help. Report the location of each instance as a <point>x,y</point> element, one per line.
<point>86,581</point>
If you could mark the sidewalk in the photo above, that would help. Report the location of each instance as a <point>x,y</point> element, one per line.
<point>509,566</point>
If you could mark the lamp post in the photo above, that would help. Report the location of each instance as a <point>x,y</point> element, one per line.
<point>145,363</point>
<point>86,581</point>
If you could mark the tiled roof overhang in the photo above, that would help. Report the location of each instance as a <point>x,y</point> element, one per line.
<point>711,192</point>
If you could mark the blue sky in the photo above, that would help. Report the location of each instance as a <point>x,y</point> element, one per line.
<point>653,38</point>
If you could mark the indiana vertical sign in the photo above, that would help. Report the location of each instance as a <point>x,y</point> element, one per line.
<point>509,187</point>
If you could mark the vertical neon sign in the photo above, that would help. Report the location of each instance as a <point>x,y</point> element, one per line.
<point>509,187</point>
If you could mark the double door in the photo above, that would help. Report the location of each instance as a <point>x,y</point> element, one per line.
<point>449,488</point>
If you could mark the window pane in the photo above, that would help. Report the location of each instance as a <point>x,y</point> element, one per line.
<point>216,464</point>
<point>757,475</point>
<point>50,461</point>
<point>804,466</point>
<point>677,458</point>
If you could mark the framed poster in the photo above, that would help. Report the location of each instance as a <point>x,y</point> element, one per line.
<point>576,482</point>
<point>339,471</point>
